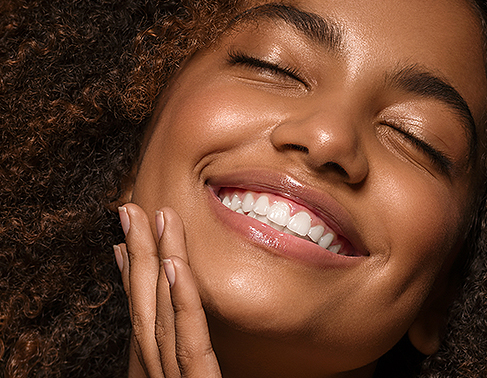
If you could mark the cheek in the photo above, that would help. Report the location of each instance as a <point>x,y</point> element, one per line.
<point>189,128</point>
<point>419,223</point>
<point>205,121</point>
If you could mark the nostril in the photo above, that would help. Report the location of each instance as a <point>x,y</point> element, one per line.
<point>323,148</point>
<point>329,165</point>
<point>296,147</point>
<point>337,167</point>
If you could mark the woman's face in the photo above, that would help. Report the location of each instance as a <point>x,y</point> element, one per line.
<point>356,122</point>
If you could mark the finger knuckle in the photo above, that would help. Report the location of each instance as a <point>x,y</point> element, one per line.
<point>162,333</point>
<point>137,322</point>
<point>190,309</point>
<point>188,353</point>
<point>185,353</point>
<point>181,307</point>
<point>137,326</point>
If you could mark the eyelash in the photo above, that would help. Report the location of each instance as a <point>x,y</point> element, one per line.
<point>438,158</point>
<point>238,58</point>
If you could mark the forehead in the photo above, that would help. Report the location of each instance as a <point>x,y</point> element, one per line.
<point>443,37</point>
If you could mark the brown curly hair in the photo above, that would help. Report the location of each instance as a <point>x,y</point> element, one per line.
<point>78,82</point>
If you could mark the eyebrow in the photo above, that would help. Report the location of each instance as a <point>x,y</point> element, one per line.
<point>413,78</point>
<point>318,29</point>
<point>419,81</point>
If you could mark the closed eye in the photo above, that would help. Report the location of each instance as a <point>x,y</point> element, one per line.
<point>241,59</point>
<point>440,160</point>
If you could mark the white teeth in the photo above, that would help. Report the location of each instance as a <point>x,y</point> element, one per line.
<point>236,203</point>
<point>335,248</point>
<point>279,213</point>
<point>252,214</point>
<point>226,201</point>
<point>261,206</point>
<point>300,223</point>
<point>326,240</point>
<point>263,219</point>
<point>288,231</point>
<point>276,226</point>
<point>315,233</point>
<point>279,217</point>
<point>248,202</point>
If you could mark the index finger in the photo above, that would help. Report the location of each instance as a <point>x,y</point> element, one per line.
<point>181,328</point>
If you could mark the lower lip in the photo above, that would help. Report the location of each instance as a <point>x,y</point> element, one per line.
<point>279,243</point>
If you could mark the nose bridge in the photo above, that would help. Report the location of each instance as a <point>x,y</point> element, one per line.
<point>327,137</point>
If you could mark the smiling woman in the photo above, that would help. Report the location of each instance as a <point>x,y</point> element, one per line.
<point>300,184</point>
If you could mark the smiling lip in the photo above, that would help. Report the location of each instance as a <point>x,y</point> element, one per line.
<point>318,202</point>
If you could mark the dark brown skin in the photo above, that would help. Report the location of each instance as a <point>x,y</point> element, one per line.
<point>326,129</point>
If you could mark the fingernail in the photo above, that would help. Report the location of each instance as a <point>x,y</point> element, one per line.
<point>159,224</point>
<point>170,271</point>
<point>118,257</point>
<point>124,219</point>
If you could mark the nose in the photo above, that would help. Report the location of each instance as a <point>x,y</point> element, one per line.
<point>327,144</point>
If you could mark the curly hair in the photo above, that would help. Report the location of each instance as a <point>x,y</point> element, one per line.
<point>78,83</point>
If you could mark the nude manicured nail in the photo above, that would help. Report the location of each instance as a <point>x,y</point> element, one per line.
<point>118,256</point>
<point>124,219</point>
<point>170,271</point>
<point>159,224</point>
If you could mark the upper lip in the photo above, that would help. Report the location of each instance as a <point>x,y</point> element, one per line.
<point>318,201</point>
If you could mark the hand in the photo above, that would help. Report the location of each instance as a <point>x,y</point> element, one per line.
<point>170,334</point>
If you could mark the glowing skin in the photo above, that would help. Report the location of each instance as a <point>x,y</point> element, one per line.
<point>270,109</point>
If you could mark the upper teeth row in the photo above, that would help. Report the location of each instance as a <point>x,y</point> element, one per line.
<point>278,216</point>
